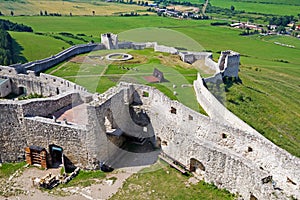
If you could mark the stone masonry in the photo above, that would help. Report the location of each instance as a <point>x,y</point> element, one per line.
<point>221,148</point>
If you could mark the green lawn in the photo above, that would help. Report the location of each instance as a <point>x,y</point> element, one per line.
<point>99,78</point>
<point>8,169</point>
<point>163,182</point>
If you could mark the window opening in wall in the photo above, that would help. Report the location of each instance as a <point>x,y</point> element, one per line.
<point>191,117</point>
<point>165,143</point>
<point>22,91</point>
<point>145,94</point>
<point>267,179</point>
<point>173,110</point>
<point>57,91</point>
<point>196,165</point>
<point>224,135</point>
<point>250,149</point>
<point>54,80</point>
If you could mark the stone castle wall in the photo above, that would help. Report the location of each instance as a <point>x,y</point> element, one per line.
<point>229,152</point>
<point>23,123</point>
<point>44,64</point>
<point>165,49</point>
<point>44,84</point>
<point>212,64</point>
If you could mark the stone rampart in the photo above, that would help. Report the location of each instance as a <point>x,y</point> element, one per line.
<point>44,64</point>
<point>212,64</point>
<point>165,49</point>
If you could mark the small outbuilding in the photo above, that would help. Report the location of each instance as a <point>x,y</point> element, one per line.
<point>36,155</point>
<point>157,77</point>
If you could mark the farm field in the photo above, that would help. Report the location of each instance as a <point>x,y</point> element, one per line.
<point>289,7</point>
<point>79,7</point>
<point>270,73</point>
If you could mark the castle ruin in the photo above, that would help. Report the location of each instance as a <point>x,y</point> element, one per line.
<point>221,148</point>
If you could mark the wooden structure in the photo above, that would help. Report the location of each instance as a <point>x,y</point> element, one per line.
<point>36,155</point>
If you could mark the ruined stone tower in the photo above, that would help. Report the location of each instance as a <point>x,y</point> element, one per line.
<point>228,63</point>
<point>109,40</point>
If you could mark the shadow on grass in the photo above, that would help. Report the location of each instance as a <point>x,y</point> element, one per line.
<point>17,52</point>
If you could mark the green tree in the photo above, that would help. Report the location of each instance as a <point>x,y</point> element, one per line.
<point>232,8</point>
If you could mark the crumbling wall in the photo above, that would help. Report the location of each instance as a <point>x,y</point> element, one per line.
<point>72,138</point>
<point>165,49</point>
<point>46,85</point>
<point>5,87</point>
<point>12,132</point>
<point>45,107</point>
<point>211,64</point>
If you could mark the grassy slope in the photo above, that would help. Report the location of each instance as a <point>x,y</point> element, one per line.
<point>37,46</point>
<point>255,52</point>
<point>163,182</point>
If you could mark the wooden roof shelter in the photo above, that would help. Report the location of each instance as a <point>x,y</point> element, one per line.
<point>36,155</point>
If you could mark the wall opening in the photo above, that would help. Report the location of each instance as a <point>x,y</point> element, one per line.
<point>196,166</point>
<point>164,143</point>
<point>252,197</point>
<point>57,91</point>
<point>158,142</point>
<point>56,153</point>
<point>267,179</point>
<point>145,94</point>
<point>224,135</point>
<point>22,91</point>
<point>249,149</point>
<point>173,110</point>
<point>191,117</point>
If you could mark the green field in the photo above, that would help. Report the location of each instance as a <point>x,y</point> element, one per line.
<point>163,182</point>
<point>273,111</point>
<point>288,7</point>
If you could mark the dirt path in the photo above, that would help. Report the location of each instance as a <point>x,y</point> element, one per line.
<point>102,190</point>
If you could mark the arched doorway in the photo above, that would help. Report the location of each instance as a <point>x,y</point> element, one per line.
<point>196,166</point>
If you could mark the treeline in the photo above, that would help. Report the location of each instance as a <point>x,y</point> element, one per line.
<point>6,48</point>
<point>6,41</point>
<point>280,21</point>
<point>184,3</point>
<point>11,26</point>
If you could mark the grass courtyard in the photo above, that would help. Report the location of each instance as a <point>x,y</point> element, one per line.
<point>172,185</point>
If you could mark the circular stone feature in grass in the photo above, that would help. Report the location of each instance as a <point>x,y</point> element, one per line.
<point>119,56</point>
